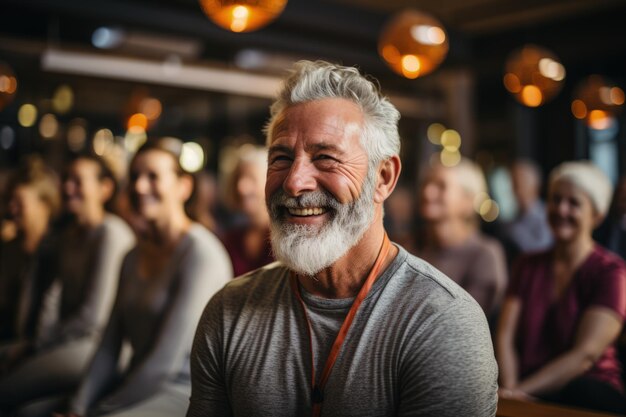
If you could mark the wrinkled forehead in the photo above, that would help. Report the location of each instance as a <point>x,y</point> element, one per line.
<point>331,119</point>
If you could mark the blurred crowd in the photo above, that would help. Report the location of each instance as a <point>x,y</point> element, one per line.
<point>103,279</point>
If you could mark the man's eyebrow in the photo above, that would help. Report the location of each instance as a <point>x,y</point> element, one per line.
<point>280,148</point>
<point>325,146</point>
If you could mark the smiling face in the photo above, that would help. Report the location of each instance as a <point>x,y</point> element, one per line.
<point>156,188</point>
<point>84,192</point>
<point>571,214</point>
<point>318,190</point>
<point>442,197</point>
<point>250,189</point>
<point>26,207</point>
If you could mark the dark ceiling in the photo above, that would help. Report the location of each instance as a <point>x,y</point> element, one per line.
<point>588,36</point>
<point>339,30</point>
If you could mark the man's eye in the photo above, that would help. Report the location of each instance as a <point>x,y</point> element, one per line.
<point>279,158</point>
<point>324,157</point>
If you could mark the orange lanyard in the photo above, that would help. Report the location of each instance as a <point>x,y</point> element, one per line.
<point>317,394</point>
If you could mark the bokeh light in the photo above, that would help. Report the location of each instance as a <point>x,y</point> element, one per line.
<point>489,210</point>
<point>434,132</point>
<point>413,43</point>
<point>102,141</point>
<point>63,99</point>
<point>192,157</point>
<point>451,140</point>
<point>151,108</point>
<point>107,38</point>
<point>450,158</point>
<point>7,137</point>
<point>137,122</point>
<point>599,119</point>
<point>48,126</point>
<point>533,75</point>
<point>597,100</point>
<point>242,15</point>
<point>8,85</point>
<point>27,115</point>
<point>133,140</point>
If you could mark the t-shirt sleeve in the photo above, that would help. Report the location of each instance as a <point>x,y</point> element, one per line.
<point>208,387</point>
<point>449,368</point>
<point>609,288</point>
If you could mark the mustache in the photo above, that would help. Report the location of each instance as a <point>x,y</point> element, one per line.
<point>317,198</point>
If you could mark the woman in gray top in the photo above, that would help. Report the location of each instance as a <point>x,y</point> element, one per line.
<point>77,304</point>
<point>165,282</point>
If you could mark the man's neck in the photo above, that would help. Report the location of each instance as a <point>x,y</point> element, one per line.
<point>346,276</point>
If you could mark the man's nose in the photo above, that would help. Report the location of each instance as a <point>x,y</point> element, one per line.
<point>300,179</point>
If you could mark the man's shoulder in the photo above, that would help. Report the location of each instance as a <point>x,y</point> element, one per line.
<point>263,283</point>
<point>418,282</point>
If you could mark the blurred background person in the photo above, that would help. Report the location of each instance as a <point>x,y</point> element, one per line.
<point>27,262</point>
<point>529,231</point>
<point>612,232</point>
<point>7,226</point>
<point>400,218</point>
<point>165,282</point>
<point>77,306</point>
<point>452,241</point>
<point>202,207</point>
<point>565,307</point>
<point>248,243</point>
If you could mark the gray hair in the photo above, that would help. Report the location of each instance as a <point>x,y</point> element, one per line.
<point>587,177</point>
<point>309,81</point>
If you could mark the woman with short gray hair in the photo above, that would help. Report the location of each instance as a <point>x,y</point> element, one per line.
<point>565,307</point>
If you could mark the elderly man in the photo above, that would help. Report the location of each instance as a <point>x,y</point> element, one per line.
<point>346,323</point>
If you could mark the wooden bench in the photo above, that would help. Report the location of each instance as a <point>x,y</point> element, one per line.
<point>515,408</point>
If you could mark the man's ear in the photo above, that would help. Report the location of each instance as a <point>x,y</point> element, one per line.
<point>387,178</point>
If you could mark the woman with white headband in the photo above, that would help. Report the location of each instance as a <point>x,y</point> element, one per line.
<point>565,307</point>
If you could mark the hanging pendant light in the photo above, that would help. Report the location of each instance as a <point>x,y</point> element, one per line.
<point>242,15</point>
<point>597,101</point>
<point>533,75</point>
<point>413,43</point>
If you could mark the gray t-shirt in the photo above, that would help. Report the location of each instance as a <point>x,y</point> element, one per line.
<point>419,346</point>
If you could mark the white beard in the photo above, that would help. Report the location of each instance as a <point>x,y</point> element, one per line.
<point>308,249</point>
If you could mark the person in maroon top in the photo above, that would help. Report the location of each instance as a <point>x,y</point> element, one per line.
<point>565,307</point>
<point>249,244</point>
